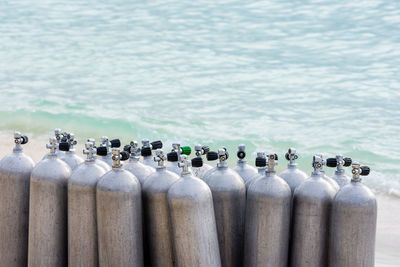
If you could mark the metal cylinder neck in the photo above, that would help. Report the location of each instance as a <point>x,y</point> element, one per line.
<point>116,157</point>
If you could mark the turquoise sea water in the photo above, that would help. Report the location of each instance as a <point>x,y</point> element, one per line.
<point>322,76</point>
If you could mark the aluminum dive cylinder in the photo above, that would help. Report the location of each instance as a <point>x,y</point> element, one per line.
<point>242,168</point>
<point>140,170</point>
<point>174,157</point>
<point>312,205</point>
<point>156,213</point>
<point>104,150</point>
<point>82,219</point>
<point>353,219</point>
<point>69,156</point>
<point>268,219</point>
<point>15,173</point>
<point>261,164</point>
<point>229,198</point>
<point>48,211</point>
<point>332,182</point>
<point>194,232</point>
<point>91,144</point>
<point>339,162</point>
<point>200,171</point>
<point>292,175</point>
<point>146,153</point>
<point>119,216</point>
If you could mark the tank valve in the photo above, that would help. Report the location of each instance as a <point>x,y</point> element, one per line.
<point>261,159</point>
<point>222,155</point>
<point>201,150</point>
<point>117,156</point>
<point>19,140</point>
<point>339,162</point>
<point>318,163</point>
<point>291,156</point>
<point>359,171</point>
<point>58,134</point>
<point>52,145</point>
<point>197,162</point>
<point>133,149</point>
<point>89,151</point>
<point>160,158</point>
<point>147,147</point>
<point>184,164</point>
<point>241,154</point>
<point>271,163</point>
<point>70,138</point>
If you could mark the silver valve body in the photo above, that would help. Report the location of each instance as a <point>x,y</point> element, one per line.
<point>58,134</point>
<point>222,156</point>
<point>184,163</point>
<point>89,151</point>
<point>19,140</point>
<point>52,145</point>
<point>135,149</point>
<point>318,163</point>
<point>358,171</point>
<point>271,163</point>
<point>117,156</point>
<point>70,138</point>
<point>201,150</point>
<point>160,158</point>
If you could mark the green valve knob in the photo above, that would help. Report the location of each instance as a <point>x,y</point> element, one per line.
<point>186,150</point>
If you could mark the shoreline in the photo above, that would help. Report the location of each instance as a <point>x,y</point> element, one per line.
<point>388,222</point>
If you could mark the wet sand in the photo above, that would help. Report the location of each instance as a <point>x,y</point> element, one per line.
<point>388,229</point>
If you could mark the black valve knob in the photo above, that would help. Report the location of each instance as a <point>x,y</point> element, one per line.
<point>101,151</point>
<point>211,155</point>
<point>127,148</point>
<point>172,156</point>
<point>115,143</point>
<point>124,155</point>
<point>261,162</point>
<point>145,151</point>
<point>63,146</point>
<point>24,139</point>
<point>241,154</point>
<point>197,162</point>
<point>287,156</point>
<point>347,162</point>
<point>331,162</point>
<point>156,145</point>
<point>364,170</point>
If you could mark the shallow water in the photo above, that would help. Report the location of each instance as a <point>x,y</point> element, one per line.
<point>321,76</point>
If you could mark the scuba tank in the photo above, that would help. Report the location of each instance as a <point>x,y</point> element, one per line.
<point>69,156</point>
<point>82,225</point>
<point>174,157</point>
<point>229,198</point>
<point>119,216</point>
<point>332,182</point>
<point>267,219</point>
<point>242,168</point>
<point>353,221</point>
<point>15,172</point>
<point>146,152</point>
<point>312,203</point>
<point>194,232</point>
<point>91,144</point>
<point>156,213</point>
<point>261,163</point>
<point>48,211</point>
<point>200,171</point>
<point>339,162</point>
<point>292,175</point>
<point>104,150</point>
<point>137,168</point>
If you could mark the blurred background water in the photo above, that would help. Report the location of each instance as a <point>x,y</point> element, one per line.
<point>322,76</point>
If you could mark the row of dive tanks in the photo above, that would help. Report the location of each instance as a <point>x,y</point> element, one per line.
<point>98,212</point>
